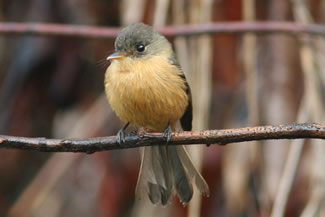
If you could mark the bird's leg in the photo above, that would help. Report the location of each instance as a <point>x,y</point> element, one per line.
<point>168,133</point>
<point>120,137</point>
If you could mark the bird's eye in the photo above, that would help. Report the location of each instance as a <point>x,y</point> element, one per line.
<point>140,48</point>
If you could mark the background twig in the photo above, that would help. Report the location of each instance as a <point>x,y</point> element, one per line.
<point>181,30</point>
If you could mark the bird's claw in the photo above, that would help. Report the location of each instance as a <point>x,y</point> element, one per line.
<point>133,133</point>
<point>168,133</point>
<point>120,137</point>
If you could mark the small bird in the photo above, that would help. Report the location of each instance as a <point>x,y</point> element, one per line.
<point>147,88</point>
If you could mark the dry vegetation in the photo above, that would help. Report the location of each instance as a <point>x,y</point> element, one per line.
<point>53,87</point>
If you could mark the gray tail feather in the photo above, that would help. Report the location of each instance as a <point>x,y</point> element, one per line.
<point>192,171</point>
<point>183,184</point>
<point>165,168</point>
<point>155,178</point>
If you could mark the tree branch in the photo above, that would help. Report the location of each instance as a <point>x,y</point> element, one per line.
<point>180,30</point>
<point>222,137</point>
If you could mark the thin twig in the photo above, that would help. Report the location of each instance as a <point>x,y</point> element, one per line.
<point>222,137</point>
<point>182,30</point>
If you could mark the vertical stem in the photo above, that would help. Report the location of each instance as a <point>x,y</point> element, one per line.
<point>200,72</point>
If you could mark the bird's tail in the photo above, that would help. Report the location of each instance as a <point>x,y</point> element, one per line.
<point>165,170</point>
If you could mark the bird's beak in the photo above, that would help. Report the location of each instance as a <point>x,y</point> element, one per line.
<point>116,56</point>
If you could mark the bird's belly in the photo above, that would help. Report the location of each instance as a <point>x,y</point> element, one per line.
<point>147,101</point>
<point>150,112</point>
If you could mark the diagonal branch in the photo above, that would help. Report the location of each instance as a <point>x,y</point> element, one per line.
<point>180,30</point>
<point>222,137</point>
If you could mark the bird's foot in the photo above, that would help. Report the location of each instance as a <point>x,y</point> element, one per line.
<point>120,137</point>
<point>168,133</point>
<point>133,133</point>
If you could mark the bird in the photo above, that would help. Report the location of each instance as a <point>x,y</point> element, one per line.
<point>146,87</point>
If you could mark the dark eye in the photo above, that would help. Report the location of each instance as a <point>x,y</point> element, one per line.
<point>140,48</point>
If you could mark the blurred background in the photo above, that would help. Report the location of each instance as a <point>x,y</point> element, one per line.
<point>53,87</point>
